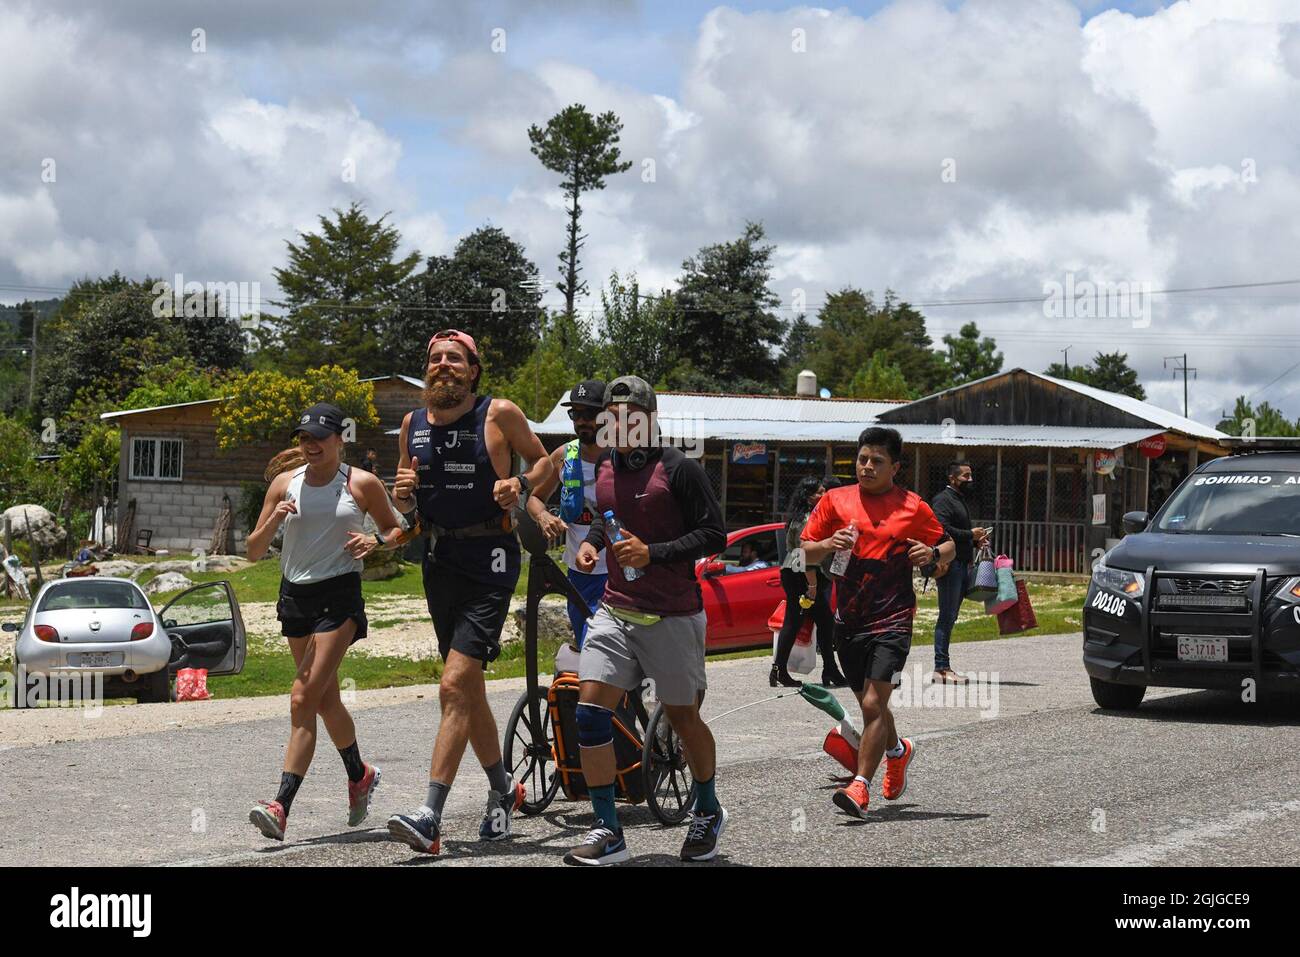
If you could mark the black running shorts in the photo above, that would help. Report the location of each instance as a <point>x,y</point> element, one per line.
<point>467,615</point>
<point>872,656</point>
<point>313,607</point>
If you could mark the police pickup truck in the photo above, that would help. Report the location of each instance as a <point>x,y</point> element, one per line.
<point>1206,594</point>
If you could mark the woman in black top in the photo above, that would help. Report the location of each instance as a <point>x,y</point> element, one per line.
<point>797,584</point>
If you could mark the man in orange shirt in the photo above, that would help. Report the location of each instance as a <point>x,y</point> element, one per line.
<point>874,599</point>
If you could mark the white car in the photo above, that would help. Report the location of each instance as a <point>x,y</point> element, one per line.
<point>107,625</point>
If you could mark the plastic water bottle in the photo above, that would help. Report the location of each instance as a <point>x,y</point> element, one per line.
<point>615,532</point>
<point>842,556</point>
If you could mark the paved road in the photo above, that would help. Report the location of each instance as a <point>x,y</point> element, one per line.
<point>1031,773</point>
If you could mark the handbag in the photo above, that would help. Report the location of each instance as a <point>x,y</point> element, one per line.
<point>803,656</point>
<point>1020,616</point>
<point>1006,579</point>
<point>984,581</point>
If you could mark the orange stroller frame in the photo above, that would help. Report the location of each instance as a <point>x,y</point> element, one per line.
<point>541,747</point>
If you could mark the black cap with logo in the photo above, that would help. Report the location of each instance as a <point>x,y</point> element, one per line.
<point>321,420</point>
<point>590,393</point>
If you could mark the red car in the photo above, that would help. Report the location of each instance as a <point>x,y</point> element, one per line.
<point>738,603</point>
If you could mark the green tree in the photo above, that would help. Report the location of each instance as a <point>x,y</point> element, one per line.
<point>727,327</point>
<point>177,380</point>
<point>799,339</point>
<point>537,384</point>
<point>1262,421</point>
<point>584,150</point>
<point>487,287</point>
<point>878,379</point>
<point>1108,371</point>
<point>638,333</point>
<point>969,357</point>
<point>23,479</point>
<point>90,467</point>
<point>342,288</point>
<point>852,329</point>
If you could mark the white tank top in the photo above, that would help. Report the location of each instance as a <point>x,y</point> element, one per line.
<point>314,537</point>
<point>578,533</point>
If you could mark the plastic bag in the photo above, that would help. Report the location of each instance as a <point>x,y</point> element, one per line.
<point>192,684</point>
<point>803,656</point>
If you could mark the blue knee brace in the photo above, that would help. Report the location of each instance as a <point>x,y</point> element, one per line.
<point>595,725</point>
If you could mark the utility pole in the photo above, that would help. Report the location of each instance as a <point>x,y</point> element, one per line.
<point>1181,366</point>
<point>31,387</point>
<point>1066,350</point>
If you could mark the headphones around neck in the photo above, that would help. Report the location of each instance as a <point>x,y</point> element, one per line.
<point>632,461</point>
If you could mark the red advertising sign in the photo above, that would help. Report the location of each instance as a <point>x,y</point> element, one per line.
<point>1153,447</point>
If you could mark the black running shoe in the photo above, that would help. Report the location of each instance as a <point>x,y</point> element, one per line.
<point>601,846</point>
<point>418,831</point>
<point>495,825</point>
<point>703,837</point>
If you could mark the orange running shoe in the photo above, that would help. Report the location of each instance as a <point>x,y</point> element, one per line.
<point>852,799</point>
<point>896,771</point>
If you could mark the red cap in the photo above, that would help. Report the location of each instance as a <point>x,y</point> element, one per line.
<point>455,335</point>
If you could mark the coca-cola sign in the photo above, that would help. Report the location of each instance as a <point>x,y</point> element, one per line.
<point>1153,447</point>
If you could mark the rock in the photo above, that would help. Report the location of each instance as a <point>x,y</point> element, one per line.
<point>552,621</point>
<point>118,568</point>
<point>44,530</point>
<point>167,581</point>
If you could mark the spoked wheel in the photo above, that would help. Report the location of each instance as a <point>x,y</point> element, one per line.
<point>530,754</point>
<point>669,787</point>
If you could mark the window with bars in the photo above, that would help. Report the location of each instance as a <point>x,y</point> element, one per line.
<point>156,459</point>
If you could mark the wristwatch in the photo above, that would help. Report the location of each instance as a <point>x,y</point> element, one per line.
<point>523,485</point>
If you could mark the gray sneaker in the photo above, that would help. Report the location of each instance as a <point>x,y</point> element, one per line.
<point>601,846</point>
<point>495,825</point>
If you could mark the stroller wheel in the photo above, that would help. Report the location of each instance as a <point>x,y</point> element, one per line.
<point>669,786</point>
<point>529,753</point>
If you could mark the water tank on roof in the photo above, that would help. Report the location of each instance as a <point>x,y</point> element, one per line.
<point>807,385</point>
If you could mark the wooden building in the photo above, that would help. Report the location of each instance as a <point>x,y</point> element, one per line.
<point>171,467</point>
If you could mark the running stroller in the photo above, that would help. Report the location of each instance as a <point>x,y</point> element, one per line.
<point>541,737</point>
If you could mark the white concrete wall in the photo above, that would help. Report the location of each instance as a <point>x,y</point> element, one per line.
<point>181,514</point>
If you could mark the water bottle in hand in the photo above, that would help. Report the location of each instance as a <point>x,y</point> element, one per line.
<point>842,556</point>
<point>615,532</point>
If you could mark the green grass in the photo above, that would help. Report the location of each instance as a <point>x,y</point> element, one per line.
<point>269,668</point>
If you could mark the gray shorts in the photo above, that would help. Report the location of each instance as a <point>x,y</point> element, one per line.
<point>670,653</point>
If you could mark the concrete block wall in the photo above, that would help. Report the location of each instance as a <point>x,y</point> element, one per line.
<point>181,514</point>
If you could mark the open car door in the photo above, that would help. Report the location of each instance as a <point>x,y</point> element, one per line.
<point>206,629</point>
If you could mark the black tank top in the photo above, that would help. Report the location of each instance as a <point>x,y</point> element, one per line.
<point>455,491</point>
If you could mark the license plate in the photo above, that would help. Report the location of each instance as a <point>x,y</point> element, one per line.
<point>95,659</point>
<point>1194,648</point>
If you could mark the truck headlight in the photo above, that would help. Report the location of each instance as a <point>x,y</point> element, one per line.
<point>1131,584</point>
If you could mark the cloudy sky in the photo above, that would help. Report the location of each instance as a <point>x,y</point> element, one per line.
<point>950,151</point>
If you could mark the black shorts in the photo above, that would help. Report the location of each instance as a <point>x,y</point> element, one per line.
<point>872,656</point>
<point>309,608</point>
<point>467,615</point>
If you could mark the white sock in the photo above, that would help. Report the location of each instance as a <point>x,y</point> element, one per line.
<point>896,751</point>
<point>859,777</point>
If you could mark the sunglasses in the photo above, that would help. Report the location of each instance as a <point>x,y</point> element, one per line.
<point>577,414</point>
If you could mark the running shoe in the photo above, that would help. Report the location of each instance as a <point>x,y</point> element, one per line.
<point>601,846</point>
<point>896,772</point>
<point>495,825</point>
<point>418,831</point>
<point>852,799</point>
<point>269,818</point>
<point>359,794</point>
<point>705,832</point>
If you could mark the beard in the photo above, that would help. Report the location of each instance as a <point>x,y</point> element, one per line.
<point>586,436</point>
<point>445,390</point>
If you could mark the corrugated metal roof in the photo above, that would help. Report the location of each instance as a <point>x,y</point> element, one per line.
<point>1041,436</point>
<point>761,430</point>
<point>703,407</point>
<point>1143,410</point>
<point>409,380</point>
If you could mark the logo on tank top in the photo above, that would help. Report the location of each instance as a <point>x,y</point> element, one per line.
<point>458,466</point>
<point>458,436</point>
